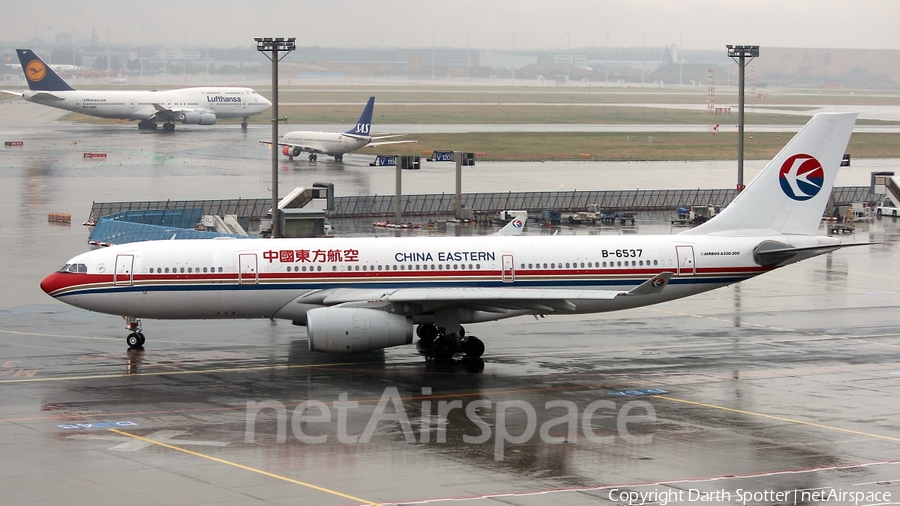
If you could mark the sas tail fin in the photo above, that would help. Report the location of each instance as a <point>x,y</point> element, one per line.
<point>790,194</point>
<point>364,125</point>
<point>39,75</point>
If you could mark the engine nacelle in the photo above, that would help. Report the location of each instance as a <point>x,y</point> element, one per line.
<point>197,118</point>
<point>286,150</point>
<point>352,329</point>
<point>189,118</point>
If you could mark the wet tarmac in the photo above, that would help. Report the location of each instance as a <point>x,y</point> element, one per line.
<point>785,384</point>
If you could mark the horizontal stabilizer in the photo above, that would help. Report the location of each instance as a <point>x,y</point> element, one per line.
<point>772,253</point>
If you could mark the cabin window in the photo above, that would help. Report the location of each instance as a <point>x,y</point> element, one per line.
<point>182,270</point>
<point>167,270</point>
<point>151,270</point>
<point>567,265</point>
<point>552,266</point>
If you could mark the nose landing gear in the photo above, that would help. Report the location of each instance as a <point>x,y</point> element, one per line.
<point>136,338</point>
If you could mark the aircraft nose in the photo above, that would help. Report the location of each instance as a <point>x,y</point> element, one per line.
<point>52,283</point>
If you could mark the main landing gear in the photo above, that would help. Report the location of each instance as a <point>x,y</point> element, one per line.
<point>136,338</point>
<point>244,124</point>
<point>168,127</point>
<point>146,125</point>
<point>313,157</point>
<point>435,344</point>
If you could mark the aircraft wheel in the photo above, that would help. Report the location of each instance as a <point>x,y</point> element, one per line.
<point>134,340</point>
<point>244,125</point>
<point>472,347</point>
<point>444,347</point>
<point>143,339</point>
<point>312,158</point>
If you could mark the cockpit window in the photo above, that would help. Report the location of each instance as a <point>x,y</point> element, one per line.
<point>78,268</point>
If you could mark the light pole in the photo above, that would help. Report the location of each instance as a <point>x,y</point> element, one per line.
<point>432,56</point>
<point>142,55</point>
<point>643,45</point>
<point>607,59</point>
<point>467,56</point>
<point>74,39</point>
<point>107,53</point>
<point>680,57</point>
<point>264,46</point>
<point>568,54</point>
<point>512,58</point>
<point>741,53</point>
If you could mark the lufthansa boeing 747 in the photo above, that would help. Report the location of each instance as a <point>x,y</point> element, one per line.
<point>190,106</point>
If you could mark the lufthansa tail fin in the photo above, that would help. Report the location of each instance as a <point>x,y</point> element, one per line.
<point>39,75</point>
<point>790,194</point>
<point>363,127</point>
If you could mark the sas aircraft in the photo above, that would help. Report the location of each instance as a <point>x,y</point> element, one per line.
<point>334,144</point>
<point>357,294</point>
<point>190,106</point>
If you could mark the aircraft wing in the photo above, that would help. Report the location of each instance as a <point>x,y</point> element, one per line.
<point>301,147</point>
<point>483,299</point>
<point>165,112</point>
<point>376,144</point>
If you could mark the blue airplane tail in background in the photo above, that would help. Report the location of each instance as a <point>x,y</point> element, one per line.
<point>364,125</point>
<point>39,75</point>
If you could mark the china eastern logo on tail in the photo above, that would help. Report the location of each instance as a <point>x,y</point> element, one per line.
<point>35,70</point>
<point>801,177</point>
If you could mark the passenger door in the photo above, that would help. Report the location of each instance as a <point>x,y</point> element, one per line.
<point>685,256</point>
<point>123,275</point>
<point>509,269</point>
<point>247,273</point>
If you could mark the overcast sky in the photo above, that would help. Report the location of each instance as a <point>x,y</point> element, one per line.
<point>491,24</point>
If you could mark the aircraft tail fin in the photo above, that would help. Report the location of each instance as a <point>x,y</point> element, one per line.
<point>364,125</point>
<point>515,225</point>
<point>39,75</point>
<point>790,194</point>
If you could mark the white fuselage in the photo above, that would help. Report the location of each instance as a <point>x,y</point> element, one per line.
<point>329,143</point>
<point>140,105</point>
<point>252,278</point>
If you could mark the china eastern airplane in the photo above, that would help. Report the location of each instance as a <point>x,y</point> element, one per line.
<point>334,144</point>
<point>191,106</point>
<point>357,293</point>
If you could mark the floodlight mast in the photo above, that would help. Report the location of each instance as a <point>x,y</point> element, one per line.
<point>741,53</point>
<point>264,46</point>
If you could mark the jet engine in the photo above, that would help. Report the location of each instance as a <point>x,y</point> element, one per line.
<point>288,151</point>
<point>351,329</point>
<point>197,118</point>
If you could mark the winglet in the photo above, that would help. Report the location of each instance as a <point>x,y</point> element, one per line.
<point>652,286</point>
<point>39,75</point>
<point>364,125</point>
<point>515,225</point>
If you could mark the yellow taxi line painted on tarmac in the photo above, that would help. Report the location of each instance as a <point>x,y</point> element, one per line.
<point>245,468</point>
<point>775,417</point>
